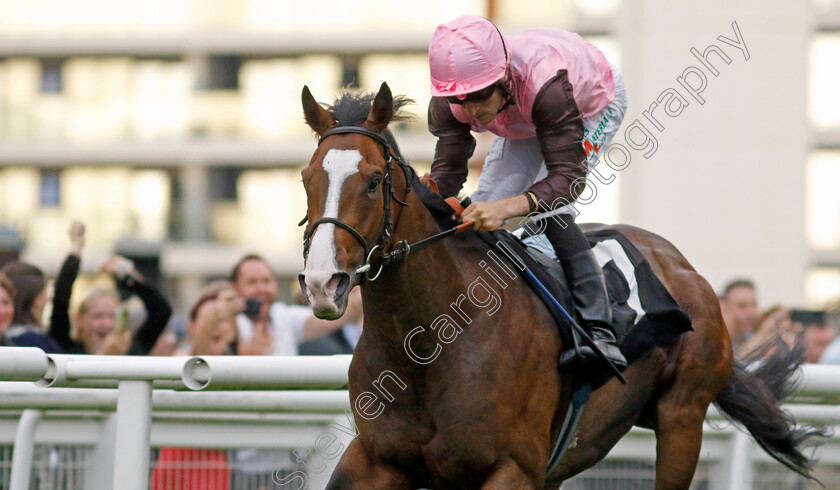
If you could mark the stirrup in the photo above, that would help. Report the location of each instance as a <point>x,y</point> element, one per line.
<point>571,357</point>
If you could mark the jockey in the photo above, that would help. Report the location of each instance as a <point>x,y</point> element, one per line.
<point>553,101</point>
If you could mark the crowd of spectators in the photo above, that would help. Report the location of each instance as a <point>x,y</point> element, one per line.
<point>238,316</point>
<point>101,323</point>
<point>753,331</point>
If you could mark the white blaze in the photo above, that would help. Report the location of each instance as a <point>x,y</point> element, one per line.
<point>339,164</point>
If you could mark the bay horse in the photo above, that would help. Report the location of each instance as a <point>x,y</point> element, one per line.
<point>449,393</point>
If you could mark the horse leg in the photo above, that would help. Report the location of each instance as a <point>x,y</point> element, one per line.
<point>678,439</point>
<point>700,374</point>
<point>508,476</point>
<point>357,470</point>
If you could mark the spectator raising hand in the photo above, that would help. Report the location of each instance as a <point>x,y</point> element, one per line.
<point>116,344</point>
<point>212,326</point>
<point>261,342</point>
<point>77,237</point>
<point>98,330</point>
<point>121,268</point>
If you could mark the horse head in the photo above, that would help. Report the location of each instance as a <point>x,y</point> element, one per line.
<point>349,189</point>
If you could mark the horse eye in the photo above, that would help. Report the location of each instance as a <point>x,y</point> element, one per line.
<point>373,183</point>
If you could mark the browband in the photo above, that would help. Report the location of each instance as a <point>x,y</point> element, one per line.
<point>357,130</point>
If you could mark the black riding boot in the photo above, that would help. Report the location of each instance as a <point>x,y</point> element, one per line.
<point>589,292</point>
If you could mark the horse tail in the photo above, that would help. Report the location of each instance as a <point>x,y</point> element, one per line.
<point>753,397</point>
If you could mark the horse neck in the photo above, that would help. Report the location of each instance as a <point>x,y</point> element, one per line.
<point>412,291</point>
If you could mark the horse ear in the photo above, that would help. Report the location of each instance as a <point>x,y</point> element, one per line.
<point>316,116</point>
<point>382,110</point>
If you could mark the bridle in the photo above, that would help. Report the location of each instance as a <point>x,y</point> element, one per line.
<point>387,225</point>
<point>401,249</point>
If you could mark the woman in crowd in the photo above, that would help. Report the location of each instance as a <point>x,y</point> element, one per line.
<point>101,323</point>
<point>29,302</point>
<point>212,324</point>
<point>7,304</point>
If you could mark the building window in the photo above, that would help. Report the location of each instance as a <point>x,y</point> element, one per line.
<point>51,82</point>
<point>223,73</point>
<point>822,287</point>
<point>824,74</point>
<point>350,71</point>
<point>223,183</point>
<point>50,188</point>
<point>822,206</point>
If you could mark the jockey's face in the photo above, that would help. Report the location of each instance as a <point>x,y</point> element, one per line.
<point>484,111</point>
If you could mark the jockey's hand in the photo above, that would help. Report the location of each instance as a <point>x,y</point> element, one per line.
<point>489,216</point>
<point>426,180</point>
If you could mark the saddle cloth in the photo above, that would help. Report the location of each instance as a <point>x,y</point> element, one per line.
<point>644,314</point>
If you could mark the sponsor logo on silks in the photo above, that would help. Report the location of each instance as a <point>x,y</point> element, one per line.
<point>594,143</point>
<point>590,148</point>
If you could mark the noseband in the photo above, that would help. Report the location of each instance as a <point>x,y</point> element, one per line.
<point>387,225</point>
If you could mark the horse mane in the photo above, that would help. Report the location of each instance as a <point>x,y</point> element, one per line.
<point>441,211</point>
<point>351,108</point>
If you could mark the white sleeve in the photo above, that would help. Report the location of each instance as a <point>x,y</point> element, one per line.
<point>245,327</point>
<point>290,317</point>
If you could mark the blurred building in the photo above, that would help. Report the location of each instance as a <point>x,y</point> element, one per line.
<point>174,127</point>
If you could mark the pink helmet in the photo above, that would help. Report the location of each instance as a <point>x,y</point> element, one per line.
<point>466,55</point>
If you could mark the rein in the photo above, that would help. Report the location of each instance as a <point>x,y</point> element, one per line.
<point>402,249</point>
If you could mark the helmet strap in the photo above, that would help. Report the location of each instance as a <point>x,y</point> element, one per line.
<point>507,94</point>
<point>504,85</point>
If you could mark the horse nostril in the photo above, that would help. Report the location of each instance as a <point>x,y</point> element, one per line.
<point>302,281</point>
<point>343,284</point>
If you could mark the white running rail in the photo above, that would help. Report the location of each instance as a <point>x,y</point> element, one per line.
<point>231,401</point>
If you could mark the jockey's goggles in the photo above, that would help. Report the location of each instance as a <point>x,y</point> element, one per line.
<point>477,96</point>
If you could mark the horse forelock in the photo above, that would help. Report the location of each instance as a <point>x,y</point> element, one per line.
<point>352,108</point>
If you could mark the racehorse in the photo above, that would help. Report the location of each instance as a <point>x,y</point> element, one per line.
<point>449,393</point>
